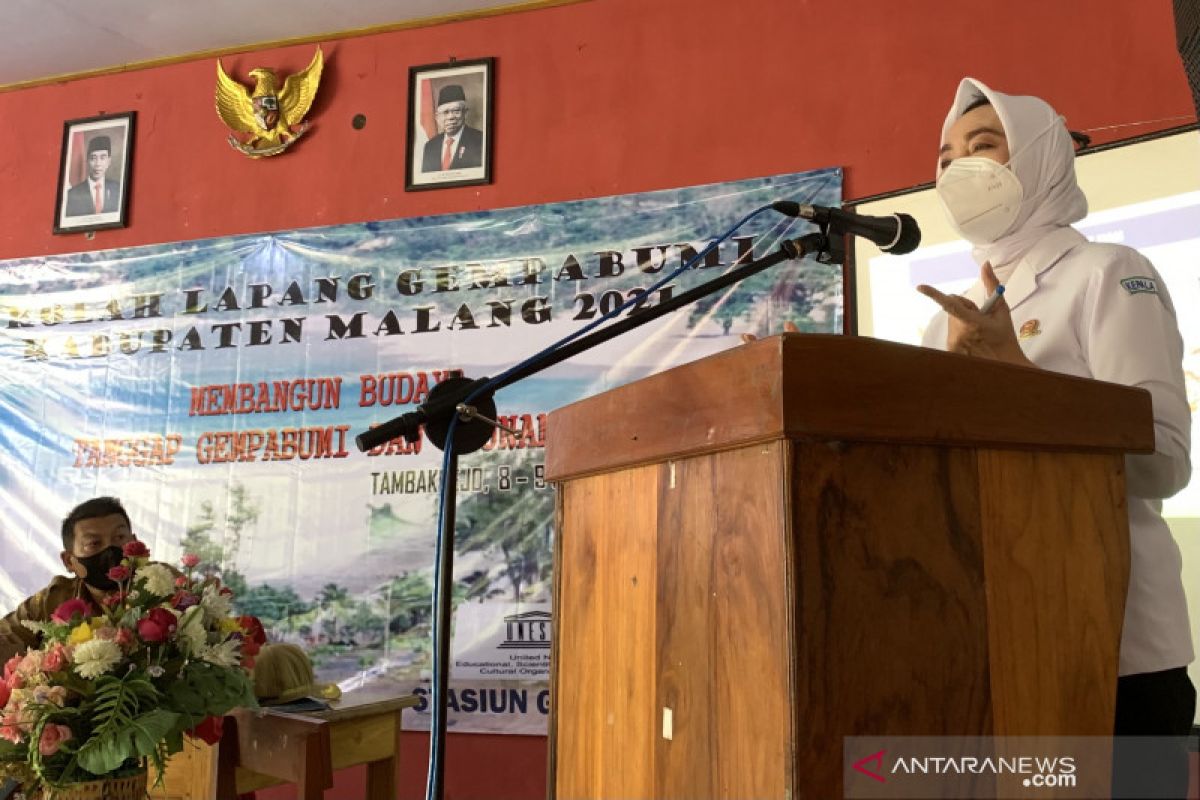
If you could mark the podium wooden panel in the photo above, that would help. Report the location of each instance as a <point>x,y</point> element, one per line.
<point>814,537</point>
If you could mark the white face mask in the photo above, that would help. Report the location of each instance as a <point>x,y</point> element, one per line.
<point>981,198</point>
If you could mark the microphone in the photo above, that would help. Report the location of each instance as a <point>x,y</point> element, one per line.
<point>897,234</point>
<point>434,414</point>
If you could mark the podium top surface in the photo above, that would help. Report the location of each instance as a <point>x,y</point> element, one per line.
<point>843,388</point>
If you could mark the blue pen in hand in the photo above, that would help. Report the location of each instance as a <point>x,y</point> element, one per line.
<point>991,301</point>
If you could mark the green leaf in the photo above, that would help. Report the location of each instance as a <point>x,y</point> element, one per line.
<point>103,754</point>
<point>173,742</point>
<point>205,690</point>
<point>114,707</point>
<point>149,729</point>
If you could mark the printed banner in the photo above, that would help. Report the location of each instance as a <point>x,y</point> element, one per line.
<point>216,388</point>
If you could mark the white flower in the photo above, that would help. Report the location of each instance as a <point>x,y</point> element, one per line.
<point>191,635</point>
<point>216,605</point>
<point>158,579</point>
<point>95,657</point>
<point>155,671</point>
<point>225,654</point>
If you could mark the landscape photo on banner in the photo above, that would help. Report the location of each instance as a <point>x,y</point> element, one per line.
<point>216,388</point>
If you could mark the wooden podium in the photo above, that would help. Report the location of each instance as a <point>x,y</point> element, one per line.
<point>813,537</point>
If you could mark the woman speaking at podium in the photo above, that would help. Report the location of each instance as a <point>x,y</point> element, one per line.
<point>1006,180</point>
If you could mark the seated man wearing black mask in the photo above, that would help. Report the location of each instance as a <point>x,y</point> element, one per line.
<point>93,536</point>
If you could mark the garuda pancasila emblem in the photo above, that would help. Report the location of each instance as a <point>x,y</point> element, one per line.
<point>269,118</point>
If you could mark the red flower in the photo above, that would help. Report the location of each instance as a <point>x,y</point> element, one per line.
<point>5,693</point>
<point>124,637</point>
<point>70,609</point>
<point>182,601</point>
<point>181,582</point>
<point>157,626</point>
<point>253,629</point>
<point>114,599</point>
<point>208,731</point>
<point>135,549</point>
<point>190,560</point>
<point>119,573</point>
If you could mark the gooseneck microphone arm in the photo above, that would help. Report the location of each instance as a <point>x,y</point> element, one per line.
<point>444,404</point>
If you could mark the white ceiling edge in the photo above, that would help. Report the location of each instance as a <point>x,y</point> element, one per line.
<point>53,38</point>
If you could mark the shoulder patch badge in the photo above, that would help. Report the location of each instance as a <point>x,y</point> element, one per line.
<point>1140,285</point>
<point>1030,329</point>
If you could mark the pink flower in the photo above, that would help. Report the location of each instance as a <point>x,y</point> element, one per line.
<point>75,607</point>
<point>113,600</point>
<point>10,732</point>
<point>157,626</point>
<point>55,659</point>
<point>135,549</point>
<point>124,637</point>
<point>54,695</point>
<point>10,667</point>
<point>190,560</point>
<point>31,663</point>
<point>181,582</point>
<point>12,727</point>
<point>119,573</point>
<point>52,738</point>
<point>16,681</point>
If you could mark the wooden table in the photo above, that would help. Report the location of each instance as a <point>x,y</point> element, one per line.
<point>264,747</point>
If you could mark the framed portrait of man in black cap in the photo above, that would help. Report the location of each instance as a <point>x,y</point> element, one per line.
<point>93,175</point>
<point>449,124</point>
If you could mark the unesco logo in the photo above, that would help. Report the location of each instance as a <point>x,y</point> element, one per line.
<point>527,631</point>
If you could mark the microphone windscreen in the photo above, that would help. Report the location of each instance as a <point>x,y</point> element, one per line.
<point>910,236</point>
<point>788,208</point>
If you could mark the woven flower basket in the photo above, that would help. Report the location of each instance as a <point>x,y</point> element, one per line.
<point>130,787</point>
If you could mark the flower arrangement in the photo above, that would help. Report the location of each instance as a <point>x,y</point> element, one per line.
<point>105,694</point>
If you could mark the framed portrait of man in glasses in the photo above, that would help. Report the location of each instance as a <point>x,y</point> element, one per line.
<point>93,173</point>
<point>449,124</point>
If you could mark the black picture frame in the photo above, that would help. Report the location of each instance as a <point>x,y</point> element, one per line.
<point>470,158</point>
<point>74,207</point>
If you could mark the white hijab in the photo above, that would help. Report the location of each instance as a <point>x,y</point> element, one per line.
<point>1044,164</point>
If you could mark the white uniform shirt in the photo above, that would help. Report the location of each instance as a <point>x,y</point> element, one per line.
<point>1101,311</point>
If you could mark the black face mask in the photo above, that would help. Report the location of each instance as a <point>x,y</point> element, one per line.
<point>98,565</point>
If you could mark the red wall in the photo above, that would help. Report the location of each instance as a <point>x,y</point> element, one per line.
<point>597,98</point>
<point>478,767</point>
<point>601,97</point>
